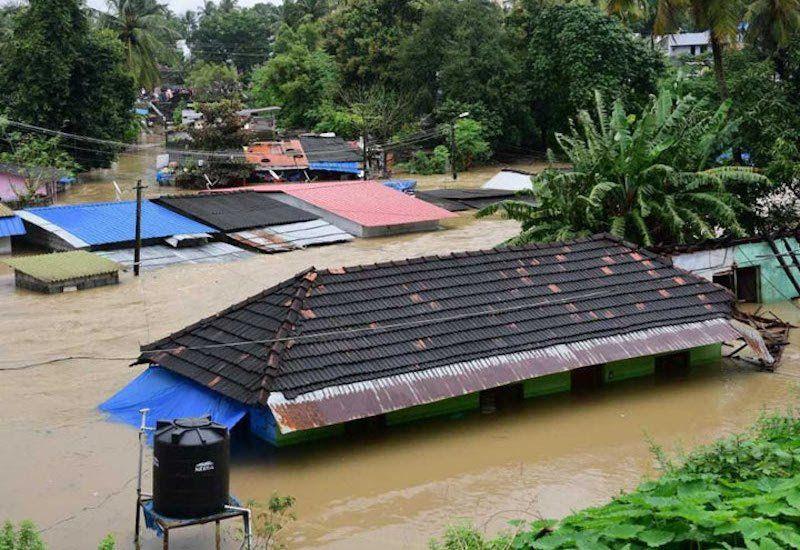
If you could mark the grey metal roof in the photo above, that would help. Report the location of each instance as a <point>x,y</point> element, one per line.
<point>280,238</point>
<point>157,256</point>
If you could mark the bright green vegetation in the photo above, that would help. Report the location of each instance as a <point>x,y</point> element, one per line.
<point>739,492</point>
<point>647,177</point>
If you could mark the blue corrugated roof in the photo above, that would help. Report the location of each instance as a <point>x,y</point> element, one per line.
<point>346,167</point>
<point>10,226</point>
<point>114,222</point>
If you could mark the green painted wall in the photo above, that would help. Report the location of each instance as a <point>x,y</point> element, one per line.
<point>263,424</point>
<point>304,436</point>
<point>629,368</point>
<point>775,284</point>
<point>454,405</point>
<point>705,354</point>
<point>552,383</point>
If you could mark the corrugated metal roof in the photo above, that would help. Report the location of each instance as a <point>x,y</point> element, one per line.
<point>509,180</point>
<point>280,238</point>
<point>61,266</point>
<point>158,256</point>
<point>11,226</point>
<point>114,222</point>
<point>367,203</point>
<point>276,155</point>
<point>235,211</point>
<point>457,200</point>
<point>334,405</point>
<point>329,149</point>
<point>530,306</point>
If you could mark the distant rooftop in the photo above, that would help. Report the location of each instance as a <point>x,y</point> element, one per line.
<point>61,266</point>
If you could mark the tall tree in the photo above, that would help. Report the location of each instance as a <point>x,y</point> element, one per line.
<point>720,17</point>
<point>238,36</point>
<point>59,73</point>
<point>571,51</point>
<point>141,26</point>
<point>771,26</point>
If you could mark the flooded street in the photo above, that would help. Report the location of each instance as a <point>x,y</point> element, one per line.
<point>72,472</point>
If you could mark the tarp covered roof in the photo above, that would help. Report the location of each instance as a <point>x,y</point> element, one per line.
<point>367,203</point>
<point>114,222</point>
<point>235,211</point>
<point>338,344</point>
<point>61,266</point>
<point>170,396</point>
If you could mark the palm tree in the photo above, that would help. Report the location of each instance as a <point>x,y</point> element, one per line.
<point>771,26</point>
<point>720,17</point>
<point>142,28</point>
<point>625,10</point>
<point>644,178</point>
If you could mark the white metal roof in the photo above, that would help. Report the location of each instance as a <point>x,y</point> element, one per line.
<point>509,180</point>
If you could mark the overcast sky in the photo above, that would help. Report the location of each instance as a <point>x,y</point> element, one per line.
<point>179,6</point>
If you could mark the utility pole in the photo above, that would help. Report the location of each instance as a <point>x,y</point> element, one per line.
<point>366,157</point>
<point>453,143</point>
<point>137,251</point>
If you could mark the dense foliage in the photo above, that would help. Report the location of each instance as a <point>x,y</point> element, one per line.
<point>647,178</point>
<point>59,73</point>
<point>740,492</point>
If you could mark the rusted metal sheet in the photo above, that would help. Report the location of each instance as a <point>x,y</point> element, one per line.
<point>348,402</point>
<point>280,238</point>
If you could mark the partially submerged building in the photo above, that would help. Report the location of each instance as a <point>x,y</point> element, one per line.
<point>61,271</point>
<point>459,200</point>
<point>278,160</point>
<point>510,180</point>
<point>362,208</point>
<point>756,269</point>
<point>332,157</point>
<point>256,220</point>
<point>10,226</point>
<point>344,349</point>
<point>15,180</point>
<point>108,225</point>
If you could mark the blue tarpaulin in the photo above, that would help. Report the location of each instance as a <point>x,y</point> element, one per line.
<point>169,396</point>
<point>346,167</point>
<point>406,186</point>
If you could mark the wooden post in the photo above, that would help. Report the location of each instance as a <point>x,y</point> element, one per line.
<point>137,251</point>
<point>217,538</point>
<point>784,265</point>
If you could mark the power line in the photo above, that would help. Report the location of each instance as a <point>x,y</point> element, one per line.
<point>323,334</point>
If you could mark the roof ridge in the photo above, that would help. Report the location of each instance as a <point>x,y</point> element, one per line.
<point>294,317</point>
<point>206,320</point>
<point>479,252</point>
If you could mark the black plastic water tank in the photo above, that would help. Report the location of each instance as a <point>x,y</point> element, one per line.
<point>190,467</point>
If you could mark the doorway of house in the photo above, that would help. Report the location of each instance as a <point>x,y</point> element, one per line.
<point>742,281</point>
<point>502,398</point>
<point>586,378</point>
<point>673,366</point>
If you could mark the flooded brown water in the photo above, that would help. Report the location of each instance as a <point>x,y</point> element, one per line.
<point>72,472</point>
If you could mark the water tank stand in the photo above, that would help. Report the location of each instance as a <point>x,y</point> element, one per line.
<point>162,524</point>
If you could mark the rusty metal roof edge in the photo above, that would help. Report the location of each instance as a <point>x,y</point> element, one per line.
<point>337,404</point>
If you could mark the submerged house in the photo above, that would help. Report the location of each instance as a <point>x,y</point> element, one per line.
<point>13,184</point>
<point>362,208</point>
<point>459,200</point>
<point>331,157</point>
<point>109,229</point>
<point>756,269</point>
<point>344,349</point>
<point>256,221</point>
<point>510,180</point>
<point>10,226</point>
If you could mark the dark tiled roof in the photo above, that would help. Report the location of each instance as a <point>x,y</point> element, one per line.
<point>235,211</point>
<point>410,315</point>
<point>329,149</point>
<point>457,200</point>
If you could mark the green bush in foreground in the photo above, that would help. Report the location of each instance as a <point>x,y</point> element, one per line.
<point>739,492</point>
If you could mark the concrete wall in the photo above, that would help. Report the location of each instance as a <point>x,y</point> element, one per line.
<point>82,283</point>
<point>775,284</point>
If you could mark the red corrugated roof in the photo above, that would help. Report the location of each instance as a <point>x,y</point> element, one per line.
<point>277,154</point>
<point>367,203</point>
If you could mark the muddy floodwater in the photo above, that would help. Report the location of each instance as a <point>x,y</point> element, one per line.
<point>63,465</point>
